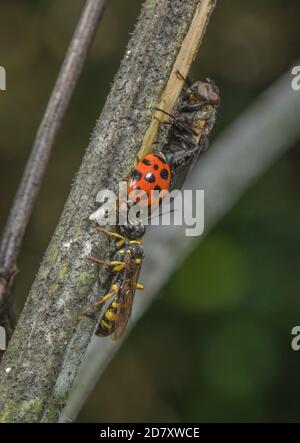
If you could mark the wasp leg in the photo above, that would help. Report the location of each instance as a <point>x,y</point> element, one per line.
<point>97,260</point>
<point>103,262</point>
<point>109,233</point>
<point>112,293</point>
<point>117,265</point>
<point>103,299</point>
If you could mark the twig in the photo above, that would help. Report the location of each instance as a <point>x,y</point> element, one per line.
<point>45,341</point>
<point>263,133</point>
<point>35,168</point>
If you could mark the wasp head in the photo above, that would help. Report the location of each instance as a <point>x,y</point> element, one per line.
<point>132,231</point>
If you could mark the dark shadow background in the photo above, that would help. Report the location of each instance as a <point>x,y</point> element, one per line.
<point>216,343</point>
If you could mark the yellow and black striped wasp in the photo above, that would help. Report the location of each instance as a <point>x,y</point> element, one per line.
<point>126,265</point>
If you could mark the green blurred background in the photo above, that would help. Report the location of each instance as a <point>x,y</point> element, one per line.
<point>214,347</point>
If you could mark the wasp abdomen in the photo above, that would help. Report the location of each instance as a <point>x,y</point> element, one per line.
<point>107,324</point>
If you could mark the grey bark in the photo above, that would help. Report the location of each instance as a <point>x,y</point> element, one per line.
<point>48,339</point>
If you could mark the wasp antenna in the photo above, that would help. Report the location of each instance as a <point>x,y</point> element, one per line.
<point>108,233</point>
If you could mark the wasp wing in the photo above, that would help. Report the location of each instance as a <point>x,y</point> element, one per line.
<point>125,300</point>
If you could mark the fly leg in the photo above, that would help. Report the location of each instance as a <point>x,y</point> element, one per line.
<point>179,124</point>
<point>186,79</point>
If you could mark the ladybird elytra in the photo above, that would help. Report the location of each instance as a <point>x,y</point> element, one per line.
<point>151,173</point>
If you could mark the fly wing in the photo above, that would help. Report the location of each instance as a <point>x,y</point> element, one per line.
<point>202,147</point>
<point>125,301</point>
<point>180,177</point>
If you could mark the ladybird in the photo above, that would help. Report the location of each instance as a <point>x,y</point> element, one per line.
<point>151,173</point>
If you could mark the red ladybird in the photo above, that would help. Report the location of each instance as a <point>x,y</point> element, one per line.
<point>151,173</point>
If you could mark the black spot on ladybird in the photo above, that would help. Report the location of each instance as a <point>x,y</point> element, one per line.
<point>136,175</point>
<point>155,167</point>
<point>161,159</point>
<point>164,174</point>
<point>146,161</point>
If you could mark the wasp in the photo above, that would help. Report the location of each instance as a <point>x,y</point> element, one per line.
<point>126,265</point>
